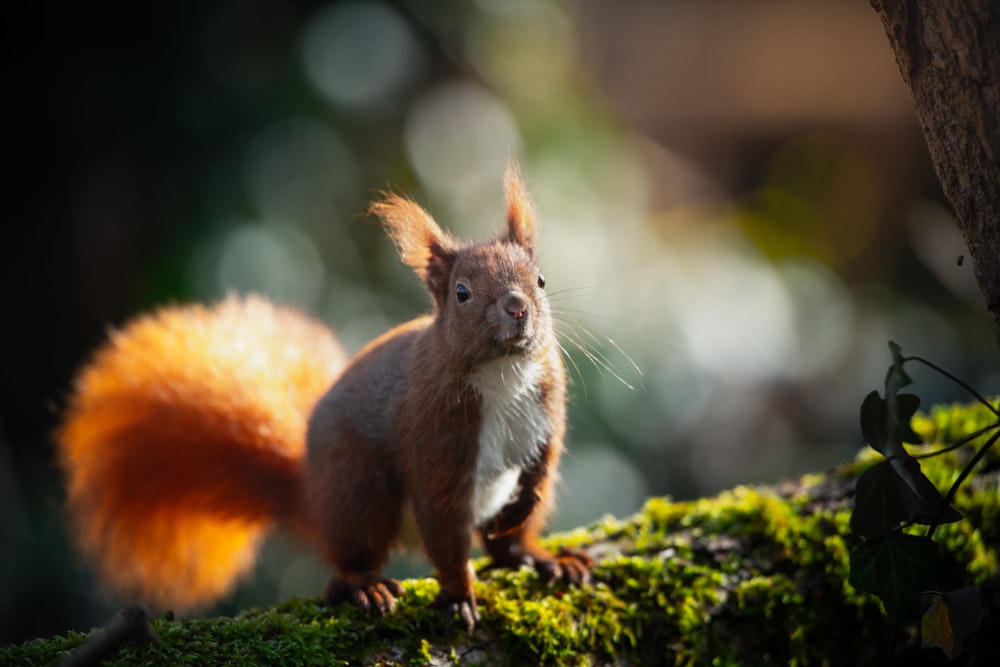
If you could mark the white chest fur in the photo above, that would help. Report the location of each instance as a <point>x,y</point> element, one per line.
<point>515,425</point>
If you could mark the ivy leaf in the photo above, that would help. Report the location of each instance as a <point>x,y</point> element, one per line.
<point>951,618</point>
<point>897,568</point>
<point>899,409</point>
<point>879,506</point>
<point>896,378</point>
<point>878,430</point>
<point>874,417</point>
<point>907,406</point>
<point>923,500</point>
<point>893,492</point>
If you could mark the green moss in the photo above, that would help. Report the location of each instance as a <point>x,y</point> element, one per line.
<point>752,576</point>
<point>947,423</point>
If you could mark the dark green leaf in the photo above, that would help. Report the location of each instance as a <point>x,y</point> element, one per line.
<point>875,424</point>
<point>923,501</point>
<point>874,418</point>
<point>885,423</point>
<point>893,492</point>
<point>897,568</point>
<point>951,619</point>
<point>878,505</point>
<point>896,378</point>
<point>907,406</point>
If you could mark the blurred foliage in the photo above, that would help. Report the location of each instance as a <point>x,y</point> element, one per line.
<point>820,200</point>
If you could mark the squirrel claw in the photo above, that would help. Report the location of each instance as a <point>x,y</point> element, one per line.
<point>569,565</point>
<point>463,608</point>
<point>372,594</point>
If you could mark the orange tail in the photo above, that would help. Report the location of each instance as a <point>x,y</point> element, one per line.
<point>183,440</point>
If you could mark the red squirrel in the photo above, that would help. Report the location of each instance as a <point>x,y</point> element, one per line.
<point>194,429</point>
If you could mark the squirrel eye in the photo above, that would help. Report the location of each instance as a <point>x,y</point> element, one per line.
<point>462,293</point>
<point>541,280</point>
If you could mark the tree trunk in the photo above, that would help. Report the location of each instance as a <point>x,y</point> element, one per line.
<point>949,55</point>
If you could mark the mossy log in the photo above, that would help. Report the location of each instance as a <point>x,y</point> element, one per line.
<point>755,575</point>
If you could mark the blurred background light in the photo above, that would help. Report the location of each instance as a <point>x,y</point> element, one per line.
<point>300,170</point>
<point>526,51</point>
<point>458,137</point>
<point>940,246</point>
<point>822,319</point>
<point>729,335</point>
<point>268,258</point>
<point>362,56</point>
<point>597,481</point>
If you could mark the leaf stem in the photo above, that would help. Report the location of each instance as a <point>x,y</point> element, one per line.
<point>962,475</point>
<point>964,440</point>
<point>961,383</point>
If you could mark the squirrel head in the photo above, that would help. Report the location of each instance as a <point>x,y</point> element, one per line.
<point>489,297</point>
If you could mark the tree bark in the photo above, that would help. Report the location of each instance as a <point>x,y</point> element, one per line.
<point>949,56</point>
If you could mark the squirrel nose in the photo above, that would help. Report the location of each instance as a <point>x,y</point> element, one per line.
<point>516,305</point>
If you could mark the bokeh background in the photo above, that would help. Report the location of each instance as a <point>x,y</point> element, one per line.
<point>738,213</point>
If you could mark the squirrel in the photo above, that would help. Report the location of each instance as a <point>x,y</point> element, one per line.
<point>196,429</point>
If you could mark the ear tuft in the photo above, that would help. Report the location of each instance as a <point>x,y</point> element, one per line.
<point>522,227</point>
<point>412,229</point>
<point>421,244</point>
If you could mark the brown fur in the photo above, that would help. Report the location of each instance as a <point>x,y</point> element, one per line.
<point>185,436</point>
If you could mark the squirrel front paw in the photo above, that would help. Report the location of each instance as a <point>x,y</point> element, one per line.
<point>370,593</point>
<point>569,565</point>
<point>464,608</point>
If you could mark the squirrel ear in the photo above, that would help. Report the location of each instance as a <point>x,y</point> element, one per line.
<point>421,244</point>
<point>522,228</point>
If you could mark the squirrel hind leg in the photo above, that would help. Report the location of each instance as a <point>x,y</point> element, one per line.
<point>357,538</point>
<point>358,563</point>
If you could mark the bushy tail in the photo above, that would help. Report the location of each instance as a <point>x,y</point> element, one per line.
<point>183,440</point>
